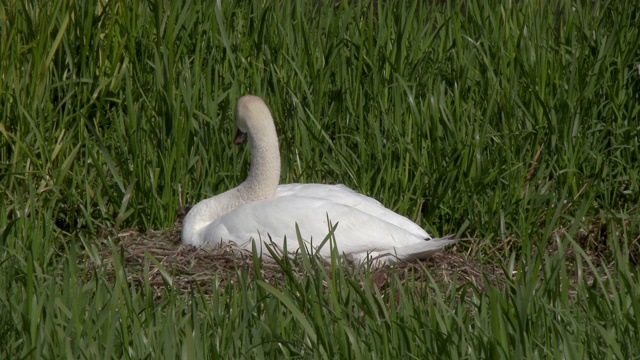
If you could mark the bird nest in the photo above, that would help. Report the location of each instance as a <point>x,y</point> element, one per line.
<point>160,259</point>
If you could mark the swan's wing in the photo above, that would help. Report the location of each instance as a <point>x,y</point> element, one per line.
<point>421,250</point>
<point>341,194</point>
<point>357,233</point>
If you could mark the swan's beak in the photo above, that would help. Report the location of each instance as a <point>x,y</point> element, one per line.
<point>241,136</point>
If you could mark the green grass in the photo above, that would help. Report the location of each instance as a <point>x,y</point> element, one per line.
<point>515,123</point>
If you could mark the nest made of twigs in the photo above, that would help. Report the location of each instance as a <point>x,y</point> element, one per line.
<point>159,258</point>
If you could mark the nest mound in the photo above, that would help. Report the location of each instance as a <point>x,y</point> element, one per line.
<point>161,259</point>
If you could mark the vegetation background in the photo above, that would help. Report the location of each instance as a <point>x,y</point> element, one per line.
<point>515,124</point>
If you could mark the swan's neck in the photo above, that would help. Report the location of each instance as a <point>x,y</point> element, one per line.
<point>264,173</point>
<point>262,182</point>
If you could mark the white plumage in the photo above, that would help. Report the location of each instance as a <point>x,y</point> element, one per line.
<point>259,210</point>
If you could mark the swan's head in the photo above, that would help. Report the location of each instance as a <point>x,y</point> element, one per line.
<point>251,113</point>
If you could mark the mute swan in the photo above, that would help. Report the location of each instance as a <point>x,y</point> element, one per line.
<point>260,210</point>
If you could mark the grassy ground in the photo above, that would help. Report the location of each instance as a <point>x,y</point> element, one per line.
<point>514,124</point>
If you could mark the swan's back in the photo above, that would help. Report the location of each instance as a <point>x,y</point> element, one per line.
<point>341,194</point>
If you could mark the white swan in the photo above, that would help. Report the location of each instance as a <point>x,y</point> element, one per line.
<point>260,210</point>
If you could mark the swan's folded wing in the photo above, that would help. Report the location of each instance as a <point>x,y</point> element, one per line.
<point>341,194</point>
<point>356,232</point>
<point>422,250</point>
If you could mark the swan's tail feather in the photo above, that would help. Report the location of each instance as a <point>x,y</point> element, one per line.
<point>422,250</point>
